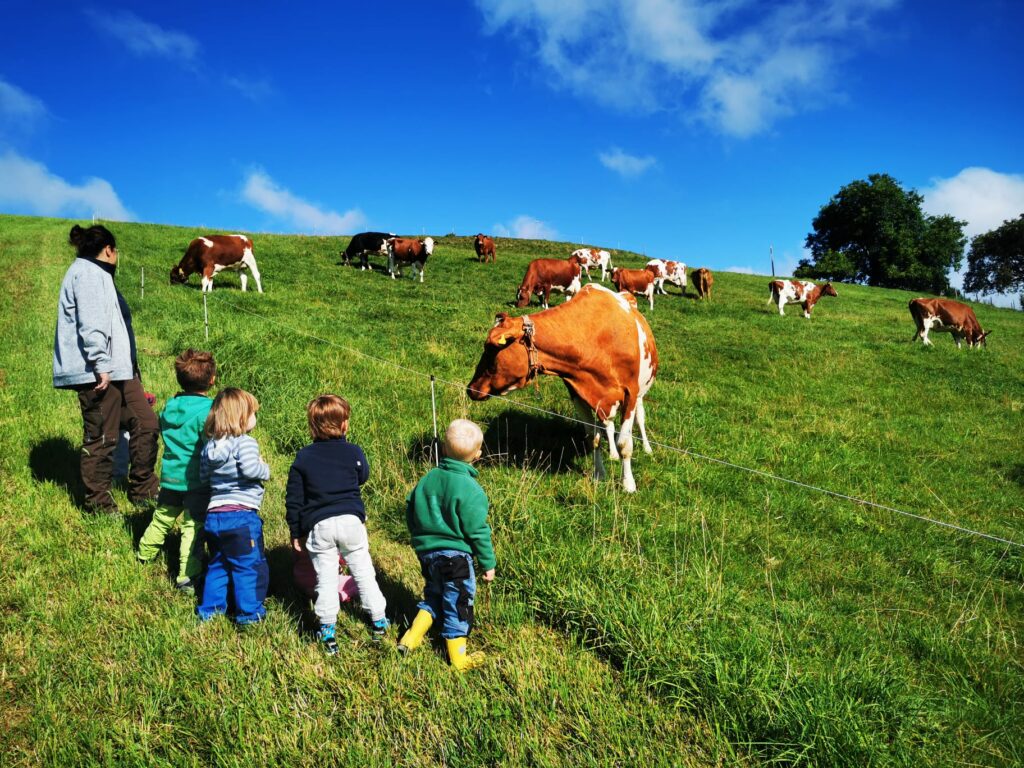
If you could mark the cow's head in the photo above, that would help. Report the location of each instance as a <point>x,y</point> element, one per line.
<point>977,339</point>
<point>523,296</point>
<point>505,363</point>
<point>178,275</point>
<point>828,290</point>
<point>428,245</point>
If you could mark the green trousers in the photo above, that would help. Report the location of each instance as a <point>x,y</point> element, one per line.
<point>191,508</point>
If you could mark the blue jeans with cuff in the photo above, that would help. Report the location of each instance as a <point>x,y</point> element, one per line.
<point>449,589</point>
<point>235,541</point>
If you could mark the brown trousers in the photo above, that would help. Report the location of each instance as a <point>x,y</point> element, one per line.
<point>122,406</point>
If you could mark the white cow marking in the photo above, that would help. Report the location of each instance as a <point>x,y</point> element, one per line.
<point>206,241</point>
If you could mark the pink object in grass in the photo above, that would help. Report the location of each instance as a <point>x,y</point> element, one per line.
<point>305,579</point>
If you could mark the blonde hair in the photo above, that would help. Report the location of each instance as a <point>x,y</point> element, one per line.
<point>229,415</point>
<point>462,440</point>
<point>328,416</point>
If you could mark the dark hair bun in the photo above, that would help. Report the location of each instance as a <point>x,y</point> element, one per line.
<point>89,241</point>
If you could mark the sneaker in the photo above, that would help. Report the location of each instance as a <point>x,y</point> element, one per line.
<point>326,635</point>
<point>187,586</point>
<point>378,629</point>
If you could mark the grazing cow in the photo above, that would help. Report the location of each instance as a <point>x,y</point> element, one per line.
<point>592,257</point>
<point>407,250</point>
<point>210,255</point>
<point>544,274</point>
<point>947,315</point>
<point>638,281</point>
<point>363,244</point>
<point>605,378</point>
<point>673,271</point>
<point>702,282</point>
<point>803,291</point>
<point>484,247</point>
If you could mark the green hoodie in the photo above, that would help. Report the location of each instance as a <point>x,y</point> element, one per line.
<point>181,425</point>
<point>448,510</point>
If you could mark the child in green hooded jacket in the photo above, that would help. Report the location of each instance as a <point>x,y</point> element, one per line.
<point>447,517</point>
<point>181,492</point>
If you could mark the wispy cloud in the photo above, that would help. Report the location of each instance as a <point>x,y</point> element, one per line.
<point>526,228</point>
<point>733,64</point>
<point>980,196</point>
<point>144,38</point>
<point>27,186</point>
<point>252,89</point>
<point>19,108</point>
<point>626,165</point>
<point>260,191</point>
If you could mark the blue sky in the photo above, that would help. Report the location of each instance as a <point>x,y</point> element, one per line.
<point>701,131</point>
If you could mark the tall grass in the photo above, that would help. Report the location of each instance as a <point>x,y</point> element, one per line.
<point>712,616</point>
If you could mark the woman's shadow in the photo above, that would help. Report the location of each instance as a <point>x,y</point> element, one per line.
<point>55,460</point>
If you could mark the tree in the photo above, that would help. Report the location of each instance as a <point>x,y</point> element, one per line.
<point>996,259</point>
<point>875,232</point>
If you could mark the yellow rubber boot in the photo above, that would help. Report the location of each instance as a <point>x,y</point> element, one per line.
<point>458,656</point>
<point>414,635</point>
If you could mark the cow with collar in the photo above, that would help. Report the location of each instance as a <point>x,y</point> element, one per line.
<point>606,380</point>
<point>209,255</point>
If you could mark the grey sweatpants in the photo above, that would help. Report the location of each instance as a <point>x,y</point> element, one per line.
<point>345,534</point>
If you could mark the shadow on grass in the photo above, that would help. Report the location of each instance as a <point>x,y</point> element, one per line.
<point>519,439</point>
<point>57,461</point>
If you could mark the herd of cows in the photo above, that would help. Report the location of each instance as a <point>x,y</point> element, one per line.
<point>605,381</point>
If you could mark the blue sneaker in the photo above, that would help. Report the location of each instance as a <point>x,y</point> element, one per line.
<point>378,629</point>
<point>326,635</point>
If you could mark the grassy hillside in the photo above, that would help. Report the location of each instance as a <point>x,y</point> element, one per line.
<point>713,617</point>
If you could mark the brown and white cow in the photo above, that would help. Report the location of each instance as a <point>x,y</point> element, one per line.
<point>702,282</point>
<point>592,257</point>
<point>604,380</point>
<point>543,275</point>
<point>408,250</point>
<point>798,291</point>
<point>484,247</point>
<point>210,255</point>
<point>947,315</point>
<point>638,281</point>
<point>672,271</point>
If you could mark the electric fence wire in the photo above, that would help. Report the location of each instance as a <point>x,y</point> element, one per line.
<point>681,451</point>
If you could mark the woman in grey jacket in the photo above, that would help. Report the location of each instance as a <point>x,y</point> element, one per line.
<point>94,354</point>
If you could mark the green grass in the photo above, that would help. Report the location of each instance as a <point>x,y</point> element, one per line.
<point>712,617</point>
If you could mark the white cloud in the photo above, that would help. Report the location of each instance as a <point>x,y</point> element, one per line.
<point>734,64</point>
<point>28,187</point>
<point>624,164</point>
<point>17,107</point>
<point>144,38</point>
<point>263,193</point>
<point>254,90</point>
<point>982,197</point>
<point>526,228</point>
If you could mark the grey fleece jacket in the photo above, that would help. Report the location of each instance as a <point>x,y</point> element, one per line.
<point>92,336</point>
<point>233,469</point>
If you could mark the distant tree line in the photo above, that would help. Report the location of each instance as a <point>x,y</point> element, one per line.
<point>873,231</point>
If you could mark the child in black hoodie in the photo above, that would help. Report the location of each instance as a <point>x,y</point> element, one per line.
<point>326,516</point>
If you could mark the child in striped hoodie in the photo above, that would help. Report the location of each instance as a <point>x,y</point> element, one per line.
<point>232,466</point>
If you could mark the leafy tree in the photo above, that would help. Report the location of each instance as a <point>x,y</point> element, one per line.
<point>996,259</point>
<point>875,232</point>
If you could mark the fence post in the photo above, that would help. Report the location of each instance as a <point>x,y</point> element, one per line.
<point>142,283</point>
<point>433,411</point>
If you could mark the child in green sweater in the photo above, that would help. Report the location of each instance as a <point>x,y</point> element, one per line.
<point>181,492</point>
<point>447,517</point>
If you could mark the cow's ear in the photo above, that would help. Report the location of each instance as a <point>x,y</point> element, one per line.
<point>500,318</point>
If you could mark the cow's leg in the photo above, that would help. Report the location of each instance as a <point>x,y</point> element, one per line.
<point>243,279</point>
<point>586,415</point>
<point>420,266</point>
<point>641,422</point>
<point>650,295</point>
<point>547,296</point>
<point>626,449</point>
<point>250,261</point>
<point>207,279</point>
<point>807,310</point>
<point>782,304</point>
<point>609,428</point>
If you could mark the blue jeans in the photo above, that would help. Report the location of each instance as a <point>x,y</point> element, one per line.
<point>235,540</point>
<point>448,591</point>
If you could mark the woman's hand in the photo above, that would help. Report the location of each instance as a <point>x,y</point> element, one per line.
<point>299,545</point>
<point>103,381</point>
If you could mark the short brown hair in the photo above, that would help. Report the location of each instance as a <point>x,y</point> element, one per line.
<point>230,412</point>
<point>327,416</point>
<point>195,370</point>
